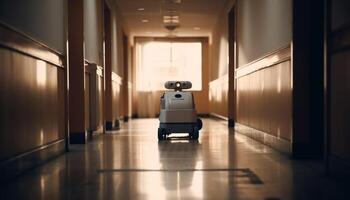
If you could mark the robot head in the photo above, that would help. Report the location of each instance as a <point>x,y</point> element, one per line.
<point>178,85</point>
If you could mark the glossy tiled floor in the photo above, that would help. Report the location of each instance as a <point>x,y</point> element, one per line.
<point>132,164</point>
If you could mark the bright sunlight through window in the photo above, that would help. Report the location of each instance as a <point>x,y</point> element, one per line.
<point>158,62</point>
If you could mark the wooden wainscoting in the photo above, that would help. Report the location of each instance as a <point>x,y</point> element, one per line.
<point>116,100</point>
<point>93,97</point>
<point>130,88</point>
<point>218,97</point>
<point>264,99</point>
<point>87,103</point>
<point>32,103</point>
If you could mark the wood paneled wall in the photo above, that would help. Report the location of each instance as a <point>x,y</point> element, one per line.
<point>116,100</point>
<point>222,69</point>
<point>264,100</point>
<point>87,105</point>
<point>264,94</point>
<point>99,116</point>
<point>32,95</point>
<point>218,97</point>
<point>94,97</point>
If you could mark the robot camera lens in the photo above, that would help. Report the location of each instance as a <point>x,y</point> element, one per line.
<point>178,95</point>
<point>178,84</point>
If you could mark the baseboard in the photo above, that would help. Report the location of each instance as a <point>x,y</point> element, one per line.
<point>339,168</point>
<point>110,126</point>
<point>117,124</point>
<point>134,116</point>
<point>204,115</point>
<point>126,118</point>
<point>20,164</point>
<point>77,137</point>
<point>99,130</point>
<point>218,116</point>
<point>279,144</point>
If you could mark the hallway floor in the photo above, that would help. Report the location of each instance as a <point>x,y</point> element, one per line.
<point>132,164</point>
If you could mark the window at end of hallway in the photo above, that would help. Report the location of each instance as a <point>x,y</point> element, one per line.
<point>158,62</point>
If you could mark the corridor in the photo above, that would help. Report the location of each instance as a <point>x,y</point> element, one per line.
<point>132,164</point>
<point>93,94</point>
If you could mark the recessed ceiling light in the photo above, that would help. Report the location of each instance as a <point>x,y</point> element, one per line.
<point>173,1</point>
<point>197,28</point>
<point>148,32</point>
<point>141,9</point>
<point>171,19</point>
<point>145,20</point>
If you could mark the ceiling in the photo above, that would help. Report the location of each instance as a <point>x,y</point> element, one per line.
<point>201,14</point>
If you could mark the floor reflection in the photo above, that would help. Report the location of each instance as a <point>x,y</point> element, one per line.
<point>132,164</point>
<point>179,157</point>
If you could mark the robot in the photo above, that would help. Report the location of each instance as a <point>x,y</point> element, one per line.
<point>178,114</point>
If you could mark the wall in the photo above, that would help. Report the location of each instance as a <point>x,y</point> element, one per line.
<point>219,48</point>
<point>117,61</point>
<point>32,107</point>
<point>114,75</point>
<point>93,31</point>
<point>263,26</point>
<point>218,72</point>
<point>94,104</point>
<point>32,103</point>
<point>218,97</point>
<point>116,99</point>
<point>255,39</point>
<point>338,75</point>
<point>42,20</point>
<point>117,39</point>
<point>264,73</point>
<point>94,61</point>
<point>264,97</point>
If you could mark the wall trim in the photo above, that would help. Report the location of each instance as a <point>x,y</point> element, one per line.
<point>20,164</point>
<point>116,78</point>
<point>274,142</point>
<point>219,81</point>
<point>93,68</point>
<point>203,115</point>
<point>99,71</point>
<point>218,116</point>
<point>269,60</point>
<point>22,43</point>
<point>77,137</point>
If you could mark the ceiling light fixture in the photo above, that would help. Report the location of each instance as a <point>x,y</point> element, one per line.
<point>171,19</point>
<point>145,20</point>
<point>197,28</point>
<point>173,1</point>
<point>141,9</point>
